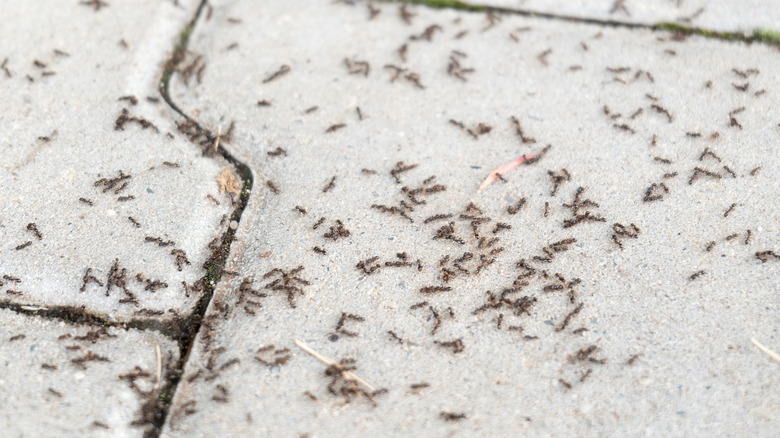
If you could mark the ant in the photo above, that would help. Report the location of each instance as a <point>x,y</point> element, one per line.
<point>456,345</point>
<point>696,275</point>
<point>520,133</point>
<point>401,167</point>
<point>337,231</point>
<point>623,232</point>
<point>656,192</point>
<point>272,187</point>
<point>395,336</point>
<point>434,289</point>
<point>373,11</point>
<point>402,51</point>
<point>23,246</point>
<point>765,256</point>
<point>357,67</point>
<point>331,184</point>
<point>31,227</point>
<point>451,416</point>
<point>454,69</point>
<point>345,317</point>
<point>336,127</point>
<point>568,318</point>
<point>557,179</point>
<point>513,209</point>
<point>437,217</point>
<point>283,70</point>
<point>89,278</point>
<point>698,172</point>
<point>272,356</point>
<point>132,99</point>
<point>542,57</point>
<point>405,15</point>
<point>662,110</point>
<point>707,152</point>
<point>95,4</point>
<point>427,33</point>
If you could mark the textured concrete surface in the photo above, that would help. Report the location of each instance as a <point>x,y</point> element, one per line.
<point>720,15</point>
<point>610,285</point>
<point>61,380</point>
<point>83,185</point>
<point>634,318</point>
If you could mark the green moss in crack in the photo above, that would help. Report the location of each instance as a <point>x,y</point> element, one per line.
<point>767,36</point>
<point>179,51</point>
<point>673,27</point>
<point>706,33</point>
<point>452,4</point>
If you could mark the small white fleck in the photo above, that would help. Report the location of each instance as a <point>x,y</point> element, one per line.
<point>233,225</point>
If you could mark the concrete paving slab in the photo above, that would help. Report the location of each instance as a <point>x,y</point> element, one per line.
<point>62,380</point>
<point>719,15</point>
<point>611,287</point>
<point>105,206</point>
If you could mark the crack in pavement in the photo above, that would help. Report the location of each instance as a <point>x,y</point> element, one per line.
<point>187,330</point>
<point>765,36</point>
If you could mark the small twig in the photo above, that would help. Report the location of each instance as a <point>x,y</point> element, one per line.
<point>159,366</point>
<point>216,141</point>
<point>512,165</point>
<point>330,362</point>
<point>771,353</point>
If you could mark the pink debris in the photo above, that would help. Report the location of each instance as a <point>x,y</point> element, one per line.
<point>512,165</point>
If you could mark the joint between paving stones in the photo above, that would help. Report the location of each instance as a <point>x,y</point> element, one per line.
<point>762,36</point>
<point>186,330</point>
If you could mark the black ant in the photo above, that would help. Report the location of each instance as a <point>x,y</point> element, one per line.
<point>283,70</point>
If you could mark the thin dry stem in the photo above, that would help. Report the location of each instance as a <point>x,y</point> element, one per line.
<point>219,136</point>
<point>159,366</point>
<point>771,353</point>
<point>330,362</point>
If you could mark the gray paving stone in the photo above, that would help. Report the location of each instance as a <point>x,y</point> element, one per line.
<point>720,15</point>
<point>64,224</point>
<point>603,335</point>
<point>62,380</point>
